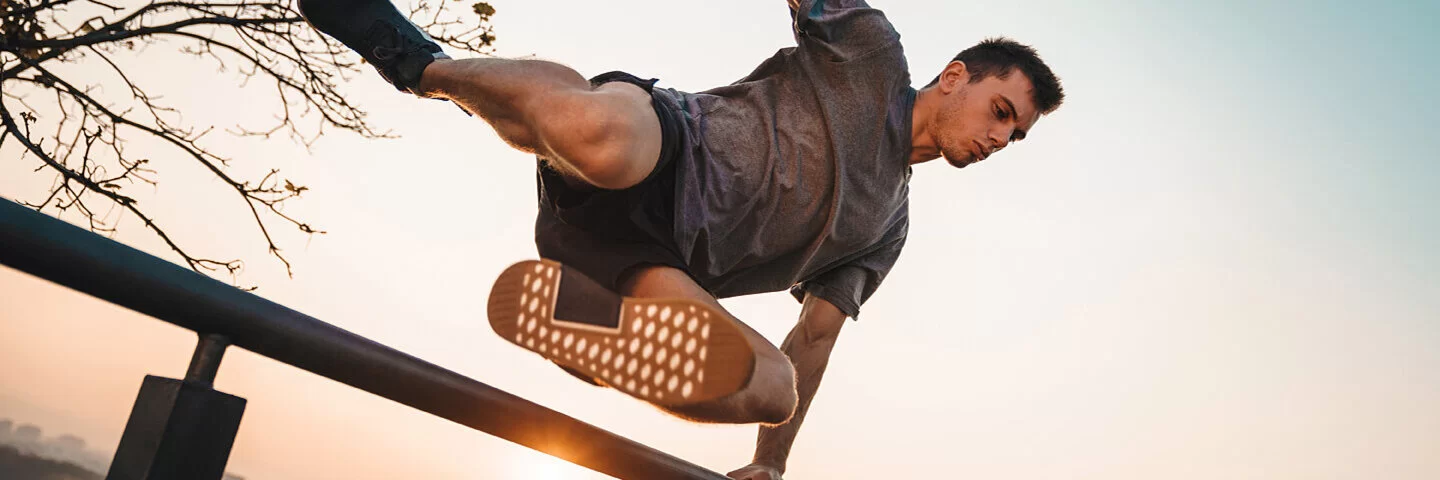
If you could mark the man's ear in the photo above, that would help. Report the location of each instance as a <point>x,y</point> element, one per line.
<point>953,77</point>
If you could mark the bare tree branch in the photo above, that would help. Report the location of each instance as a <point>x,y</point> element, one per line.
<point>124,201</point>
<point>92,117</point>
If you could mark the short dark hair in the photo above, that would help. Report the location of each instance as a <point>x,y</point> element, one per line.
<point>999,56</point>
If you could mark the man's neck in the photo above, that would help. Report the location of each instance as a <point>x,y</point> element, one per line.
<point>922,143</point>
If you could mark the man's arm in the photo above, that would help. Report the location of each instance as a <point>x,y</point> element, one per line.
<point>808,346</point>
<point>841,30</point>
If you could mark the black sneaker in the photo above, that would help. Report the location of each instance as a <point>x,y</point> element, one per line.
<point>380,34</point>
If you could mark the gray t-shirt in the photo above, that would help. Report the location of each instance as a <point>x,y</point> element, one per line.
<point>797,175</point>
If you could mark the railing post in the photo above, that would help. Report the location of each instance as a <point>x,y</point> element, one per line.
<point>205,363</point>
<point>181,429</point>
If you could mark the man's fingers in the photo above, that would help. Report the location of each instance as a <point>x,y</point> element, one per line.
<point>755,472</point>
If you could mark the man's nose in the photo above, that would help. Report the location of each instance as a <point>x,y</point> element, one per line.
<point>999,138</point>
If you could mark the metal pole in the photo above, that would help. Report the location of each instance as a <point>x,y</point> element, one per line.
<point>62,253</point>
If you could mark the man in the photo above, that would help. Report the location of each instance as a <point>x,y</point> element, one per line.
<point>655,202</point>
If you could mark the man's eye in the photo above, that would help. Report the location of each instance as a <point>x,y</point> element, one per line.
<point>999,113</point>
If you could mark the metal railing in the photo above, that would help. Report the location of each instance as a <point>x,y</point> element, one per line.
<point>154,444</point>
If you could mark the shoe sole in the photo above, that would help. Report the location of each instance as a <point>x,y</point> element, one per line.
<point>669,351</point>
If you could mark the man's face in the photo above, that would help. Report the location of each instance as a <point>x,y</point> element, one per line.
<point>978,119</point>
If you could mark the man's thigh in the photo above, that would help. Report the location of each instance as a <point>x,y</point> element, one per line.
<point>655,281</point>
<point>609,137</point>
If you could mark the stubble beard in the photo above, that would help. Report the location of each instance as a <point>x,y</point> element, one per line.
<point>955,150</point>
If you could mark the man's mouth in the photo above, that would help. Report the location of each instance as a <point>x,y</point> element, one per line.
<point>979,152</point>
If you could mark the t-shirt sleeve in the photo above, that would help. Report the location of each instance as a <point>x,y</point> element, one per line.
<point>849,285</point>
<point>842,29</point>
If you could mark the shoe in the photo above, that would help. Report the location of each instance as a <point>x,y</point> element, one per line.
<point>670,352</point>
<point>380,34</point>
<point>580,375</point>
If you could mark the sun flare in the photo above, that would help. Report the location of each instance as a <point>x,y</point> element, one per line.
<point>531,465</point>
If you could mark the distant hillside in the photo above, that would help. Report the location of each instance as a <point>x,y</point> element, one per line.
<point>18,466</point>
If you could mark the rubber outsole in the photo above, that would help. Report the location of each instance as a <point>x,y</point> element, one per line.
<point>667,351</point>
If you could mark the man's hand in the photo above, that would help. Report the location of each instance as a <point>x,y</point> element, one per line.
<point>755,472</point>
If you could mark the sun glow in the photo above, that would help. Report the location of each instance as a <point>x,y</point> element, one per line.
<point>531,465</point>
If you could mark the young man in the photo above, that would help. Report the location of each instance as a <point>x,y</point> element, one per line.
<point>655,202</point>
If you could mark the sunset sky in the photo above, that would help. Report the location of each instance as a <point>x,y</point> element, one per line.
<point>1218,260</point>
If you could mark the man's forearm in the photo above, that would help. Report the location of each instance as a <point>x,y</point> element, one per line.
<point>808,345</point>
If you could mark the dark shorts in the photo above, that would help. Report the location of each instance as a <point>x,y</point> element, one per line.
<point>607,233</point>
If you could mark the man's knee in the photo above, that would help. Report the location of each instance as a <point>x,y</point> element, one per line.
<point>609,136</point>
<point>769,399</point>
<point>778,404</point>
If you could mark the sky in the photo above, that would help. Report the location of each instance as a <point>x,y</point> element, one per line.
<point>1216,260</point>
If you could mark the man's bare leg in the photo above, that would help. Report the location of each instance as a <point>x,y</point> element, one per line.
<point>607,136</point>
<point>769,398</point>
